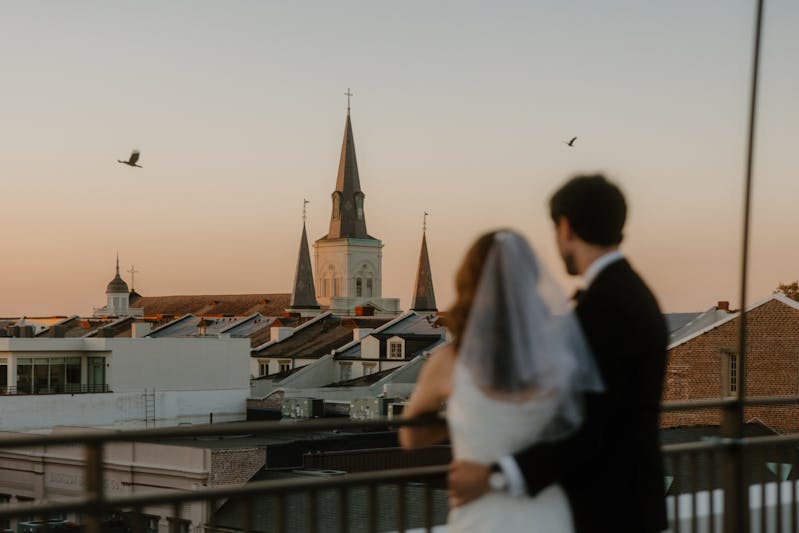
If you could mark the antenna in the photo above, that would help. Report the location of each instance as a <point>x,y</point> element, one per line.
<point>304,214</point>
<point>424,224</point>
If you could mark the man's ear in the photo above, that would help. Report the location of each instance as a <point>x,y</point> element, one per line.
<point>564,229</point>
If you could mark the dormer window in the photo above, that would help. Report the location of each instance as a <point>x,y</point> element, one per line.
<point>396,348</point>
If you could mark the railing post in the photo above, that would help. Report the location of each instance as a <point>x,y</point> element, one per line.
<point>734,484</point>
<point>94,486</point>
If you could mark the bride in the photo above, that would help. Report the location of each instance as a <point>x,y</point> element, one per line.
<point>513,375</point>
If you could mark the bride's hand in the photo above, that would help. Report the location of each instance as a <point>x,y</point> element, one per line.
<point>468,481</point>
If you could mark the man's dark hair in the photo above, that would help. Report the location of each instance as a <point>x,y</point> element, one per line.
<point>594,207</point>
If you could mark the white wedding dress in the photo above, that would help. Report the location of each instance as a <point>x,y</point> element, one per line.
<point>483,429</point>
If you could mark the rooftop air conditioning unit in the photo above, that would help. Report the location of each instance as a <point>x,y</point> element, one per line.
<point>368,408</point>
<point>303,408</point>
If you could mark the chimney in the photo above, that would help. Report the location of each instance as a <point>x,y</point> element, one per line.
<point>359,333</point>
<point>364,310</point>
<point>140,329</point>
<point>723,306</point>
<point>279,333</point>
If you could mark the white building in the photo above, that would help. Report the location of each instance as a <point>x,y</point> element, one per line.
<point>121,382</point>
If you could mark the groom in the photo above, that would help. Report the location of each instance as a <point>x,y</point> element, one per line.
<point>611,468</point>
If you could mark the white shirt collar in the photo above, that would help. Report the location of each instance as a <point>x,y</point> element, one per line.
<point>599,265</point>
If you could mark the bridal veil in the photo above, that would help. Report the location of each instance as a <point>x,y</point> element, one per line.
<point>523,338</point>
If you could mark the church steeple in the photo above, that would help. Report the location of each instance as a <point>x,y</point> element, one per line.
<point>347,219</point>
<point>424,298</point>
<point>303,295</point>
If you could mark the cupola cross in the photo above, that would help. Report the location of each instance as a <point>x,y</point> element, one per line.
<point>132,271</point>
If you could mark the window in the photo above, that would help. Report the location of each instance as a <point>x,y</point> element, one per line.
<point>179,525</point>
<point>732,362</point>
<point>395,350</point>
<point>3,374</point>
<point>263,367</point>
<point>730,372</point>
<point>72,374</point>
<point>335,286</point>
<point>285,365</point>
<point>25,374</point>
<point>346,371</point>
<point>359,205</point>
<point>96,374</point>
<point>369,369</point>
<point>5,523</point>
<point>326,287</point>
<point>44,375</point>
<point>358,287</point>
<point>368,287</point>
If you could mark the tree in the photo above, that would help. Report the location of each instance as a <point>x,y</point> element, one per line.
<point>791,290</point>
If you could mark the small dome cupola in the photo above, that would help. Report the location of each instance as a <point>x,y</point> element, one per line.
<point>117,295</point>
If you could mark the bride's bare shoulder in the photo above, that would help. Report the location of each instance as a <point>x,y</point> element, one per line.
<point>437,370</point>
<point>442,357</point>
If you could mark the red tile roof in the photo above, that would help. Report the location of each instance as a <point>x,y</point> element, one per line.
<point>213,304</point>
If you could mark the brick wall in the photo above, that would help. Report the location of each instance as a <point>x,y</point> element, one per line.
<point>236,465</point>
<point>696,369</point>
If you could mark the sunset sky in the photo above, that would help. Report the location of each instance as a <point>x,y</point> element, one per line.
<point>460,109</point>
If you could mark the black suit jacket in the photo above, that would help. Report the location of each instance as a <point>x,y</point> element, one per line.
<point>611,468</point>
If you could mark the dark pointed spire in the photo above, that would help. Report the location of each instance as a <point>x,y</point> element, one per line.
<point>348,218</point>
<point>424,298</point>
<point>303,295</point>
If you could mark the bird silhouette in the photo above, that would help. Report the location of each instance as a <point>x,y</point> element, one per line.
<point>134,156</point>
<point>570,143</point>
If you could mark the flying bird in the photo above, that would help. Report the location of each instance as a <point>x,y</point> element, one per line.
<point>570,143</point>
<point>134,156</point>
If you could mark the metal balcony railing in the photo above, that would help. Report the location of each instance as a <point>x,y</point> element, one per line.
<point>68,388</point>
<point>702,486</point>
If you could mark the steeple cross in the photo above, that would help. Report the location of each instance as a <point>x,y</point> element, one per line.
<point>304,215</point>
<point>132,271</point>
<point>348,94</point>
<point>424,224</point>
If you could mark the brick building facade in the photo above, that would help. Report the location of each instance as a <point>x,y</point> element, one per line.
<point>704,365</point>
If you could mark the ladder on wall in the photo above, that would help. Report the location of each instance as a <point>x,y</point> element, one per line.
<point>149,408</point>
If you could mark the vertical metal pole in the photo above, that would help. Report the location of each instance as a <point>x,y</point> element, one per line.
<point>736,490</point>
<point>94,486</point>
<point>313,501</point>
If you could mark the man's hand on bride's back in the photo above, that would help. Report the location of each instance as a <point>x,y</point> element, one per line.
<point>468,481</point>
